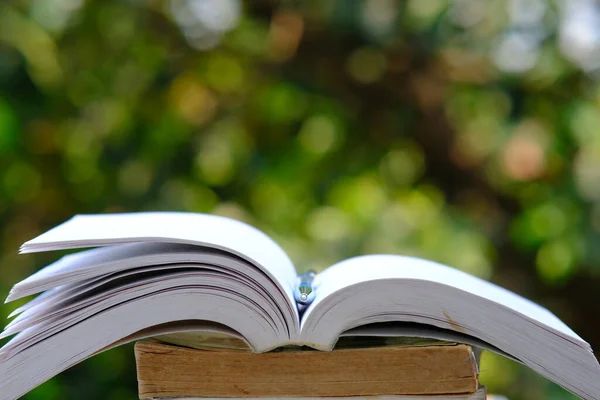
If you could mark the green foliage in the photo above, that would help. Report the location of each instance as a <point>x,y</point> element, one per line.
<point>461,131</point>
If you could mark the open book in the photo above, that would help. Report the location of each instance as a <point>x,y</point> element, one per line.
<point>160,273</point>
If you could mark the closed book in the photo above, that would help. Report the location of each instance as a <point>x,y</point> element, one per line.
<point>479,395</point>
<point>164,370</point>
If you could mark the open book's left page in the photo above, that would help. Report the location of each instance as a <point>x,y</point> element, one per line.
<point>211,231</point>
<point>151,270</point>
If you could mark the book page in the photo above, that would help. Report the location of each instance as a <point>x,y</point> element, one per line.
<point>213,231</point>
<point>387,267</point>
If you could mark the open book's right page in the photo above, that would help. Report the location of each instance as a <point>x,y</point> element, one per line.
<point>368,290</point>
<point>362,269</point>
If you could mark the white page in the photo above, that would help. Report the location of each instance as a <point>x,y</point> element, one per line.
<point>85,265</point>
<point>172,227</point>
<point>88,295</point>
<point>199,282</point>
<point>381,267</point>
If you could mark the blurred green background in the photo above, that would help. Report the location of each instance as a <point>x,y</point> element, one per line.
<point>464,131</point>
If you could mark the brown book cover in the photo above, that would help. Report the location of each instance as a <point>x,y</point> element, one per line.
<point>165,370</point>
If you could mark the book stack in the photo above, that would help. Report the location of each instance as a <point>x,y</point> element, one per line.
<point>179,276</point>
<point>406,370</point>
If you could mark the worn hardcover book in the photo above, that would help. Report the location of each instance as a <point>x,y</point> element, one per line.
<point>168,370</point>
<point>480,394</point>
<point>167,273</point>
